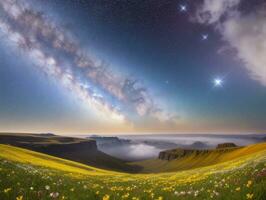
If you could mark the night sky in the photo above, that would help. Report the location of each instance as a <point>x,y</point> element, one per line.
<point>101,66</point>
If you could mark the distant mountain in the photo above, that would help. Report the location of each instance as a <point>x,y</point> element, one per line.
<point>47,134</point>
<point>160,144</point>
<point>195,145</point>
<point>109,141</point>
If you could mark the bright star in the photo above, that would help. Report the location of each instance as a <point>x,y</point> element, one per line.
<point>218,82</point>
<point>183,8</point>
<point>204,36</point>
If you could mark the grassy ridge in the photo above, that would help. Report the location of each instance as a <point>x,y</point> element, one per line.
<point>198,160</point>
<point>76,149</point>
<point>34,158</point>
<point>28,175</point>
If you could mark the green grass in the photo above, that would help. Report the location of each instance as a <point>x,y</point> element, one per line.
<point>195,160</point>
<point>29,175</point>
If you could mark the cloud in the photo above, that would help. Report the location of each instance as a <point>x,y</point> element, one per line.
<point>57,53</point>
<point>244,32</point>
<point>212,11</point>
<point>131,152</point>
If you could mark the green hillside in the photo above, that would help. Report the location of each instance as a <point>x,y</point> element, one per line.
<point>29,175</point>
<point>76,149</point>
<point>196,160</point>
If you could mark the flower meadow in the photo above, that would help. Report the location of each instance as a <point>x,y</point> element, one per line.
<point>23,177</point>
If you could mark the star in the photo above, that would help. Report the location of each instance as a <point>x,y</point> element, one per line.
<point>183,8</point>
<point>204,36</point>
<point>218,82</point>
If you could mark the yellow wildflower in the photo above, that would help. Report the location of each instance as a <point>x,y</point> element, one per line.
<point>250,196</point>
<point>249,183</point>
<point>7,190</point>
<point>19,197</point>
<point>238,189</point>
<point>106,197</point>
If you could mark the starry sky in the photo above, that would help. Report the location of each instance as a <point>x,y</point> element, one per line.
<point>124,66</point>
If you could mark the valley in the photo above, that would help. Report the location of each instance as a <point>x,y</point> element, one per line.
<point>238,173</point>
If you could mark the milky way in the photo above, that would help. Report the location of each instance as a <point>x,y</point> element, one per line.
<point>58,54</point>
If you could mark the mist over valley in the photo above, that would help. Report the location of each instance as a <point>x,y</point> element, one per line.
<point>143,147</point>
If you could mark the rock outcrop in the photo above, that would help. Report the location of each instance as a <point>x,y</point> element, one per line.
<point>180,153</point>
<point>109,141</point>
<point>226,145</point>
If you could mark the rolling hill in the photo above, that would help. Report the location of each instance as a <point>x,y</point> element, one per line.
<point>25,174</point>
<point>76,149</point>
<point>199,158</point>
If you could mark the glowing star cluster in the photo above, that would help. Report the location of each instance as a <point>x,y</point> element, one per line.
<point>60,56</point>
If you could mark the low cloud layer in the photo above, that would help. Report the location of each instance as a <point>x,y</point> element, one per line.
<point>244,32</point>
<point>57,53</point>
<point>149,146</point>
<point>132,152</point>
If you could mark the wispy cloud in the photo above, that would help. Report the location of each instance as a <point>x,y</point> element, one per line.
<point>243,31</point>
<point>57,53</point>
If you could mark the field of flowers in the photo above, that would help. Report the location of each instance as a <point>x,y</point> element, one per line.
<point>28,175</point>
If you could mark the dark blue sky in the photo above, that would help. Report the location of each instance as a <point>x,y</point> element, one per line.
<point>152,41</point>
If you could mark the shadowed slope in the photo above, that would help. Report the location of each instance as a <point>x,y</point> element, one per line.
<point>21,155</point>
<point>76,149</point>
